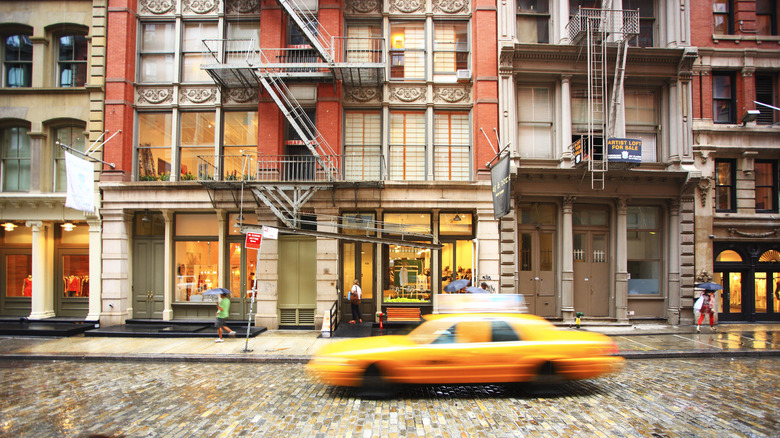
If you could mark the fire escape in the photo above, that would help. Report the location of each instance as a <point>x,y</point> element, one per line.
<point>595,30</point>
<point>285,184</point>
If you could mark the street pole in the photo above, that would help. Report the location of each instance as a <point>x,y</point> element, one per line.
<point>252,303</point>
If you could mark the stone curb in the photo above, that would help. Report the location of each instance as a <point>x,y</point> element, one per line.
<point>234,358</point>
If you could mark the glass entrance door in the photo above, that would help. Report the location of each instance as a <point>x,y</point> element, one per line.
<point>358,262</point>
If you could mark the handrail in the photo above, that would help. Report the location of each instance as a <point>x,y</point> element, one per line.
<point>334,316</point>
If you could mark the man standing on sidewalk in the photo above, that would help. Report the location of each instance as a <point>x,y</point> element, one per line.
<point>223,310</point>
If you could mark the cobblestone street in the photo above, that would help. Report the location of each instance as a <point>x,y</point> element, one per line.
<point>658,397</point>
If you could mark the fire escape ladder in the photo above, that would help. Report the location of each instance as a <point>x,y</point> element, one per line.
<point>285,202</point>
<point>597,122</point>
<point>299,121</point>
<point>310,26</point>
<point>617,86</point>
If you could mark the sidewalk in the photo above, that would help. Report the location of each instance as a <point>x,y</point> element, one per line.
<point>294,346</point>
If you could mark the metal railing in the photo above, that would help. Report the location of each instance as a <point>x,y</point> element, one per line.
<point>225,53</point>
<point>624,22</point>
<point>290,168</point>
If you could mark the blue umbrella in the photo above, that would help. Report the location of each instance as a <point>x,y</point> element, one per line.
<point>217,291</point>
<point>456,285</point>
<point>709,286</point>
<point>476,290</point>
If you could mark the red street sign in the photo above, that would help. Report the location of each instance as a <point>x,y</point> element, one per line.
<point>253,240</point>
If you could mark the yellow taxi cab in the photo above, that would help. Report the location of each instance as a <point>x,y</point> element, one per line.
<point>468,349</point>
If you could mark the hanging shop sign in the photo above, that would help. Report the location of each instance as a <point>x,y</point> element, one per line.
<point>624,150</point>
<point>499,177</point>
<point>577,149</point>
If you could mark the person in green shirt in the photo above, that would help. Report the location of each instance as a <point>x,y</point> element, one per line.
<point>223,310</point>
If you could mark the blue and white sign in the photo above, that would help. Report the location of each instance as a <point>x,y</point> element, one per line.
<point>624,150</point>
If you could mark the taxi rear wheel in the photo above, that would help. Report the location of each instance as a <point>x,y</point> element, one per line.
<point>374,383</point>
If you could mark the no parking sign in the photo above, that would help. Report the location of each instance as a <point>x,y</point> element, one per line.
<point>253,240</point>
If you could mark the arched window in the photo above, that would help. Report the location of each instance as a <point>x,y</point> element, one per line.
<point>771,256</point>
<point>71,61</point>
<point>729,256</point>
<point>17,60</point>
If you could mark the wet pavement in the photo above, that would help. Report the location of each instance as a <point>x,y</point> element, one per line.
<point>639,341</point>
<point>703,397</point>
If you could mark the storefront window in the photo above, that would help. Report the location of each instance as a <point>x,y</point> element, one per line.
<point>75,271</point>
<point>242,260</point>
<point>196,256</point>
<point>644,251</point>
<point>409,275</point>
<point>457,256</point>
<point>18,268</point>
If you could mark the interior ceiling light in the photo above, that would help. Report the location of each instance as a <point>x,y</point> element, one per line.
<point>146,219</point>
<point>456,218</point>
<point>67,226</point>
<point>9,226</point>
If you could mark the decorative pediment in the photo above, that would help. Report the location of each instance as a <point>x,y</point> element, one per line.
<point>363,94</point>
<point>157,7</point>
<point>407,6</point>
<point>200,6</point>
<point>155,96</point>
<point>240,95</point>
<point>451,94</point>
<point>197,95</point>
<point>242,6</point>
<point>407,94</point>
<point>451,6</point>
<point>363,6</point>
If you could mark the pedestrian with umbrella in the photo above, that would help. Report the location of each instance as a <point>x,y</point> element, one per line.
<point>705,305</point>
<point>223,311</point>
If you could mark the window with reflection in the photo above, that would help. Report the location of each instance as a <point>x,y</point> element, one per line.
<point>18,281</point>
<point>17,61</point>
<point>457,253</point>
<point>72,61</point>
<point>408,269</point>
<point>196,256</point>
<point>407,50</point>
<point>724,98</point>
<point>192,47</point>
<point>242,260</point>
<point>725,185</point>
<point>154,146</point>
<point>766,186</point>
<point>239,134</point>
<point>158,40</point>
<point>197,144</point>
<point>15,159</point>
<point>644,250</point>
<point>723,16</point>
<point>75,275</point>
<point>533,21</point>
<point>72,136</point>
<point>642,120</point>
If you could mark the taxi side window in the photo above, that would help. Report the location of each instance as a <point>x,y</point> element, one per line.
<point>445,336</point>
<point>471,332</point>
<point>502,332</point>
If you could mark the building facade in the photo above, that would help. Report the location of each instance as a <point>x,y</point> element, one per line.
<point>350,126</point>
<point>51,93</point>
<point>736,145</point>
<point>595,103</point>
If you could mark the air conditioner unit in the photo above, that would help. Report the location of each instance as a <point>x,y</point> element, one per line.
<point>464,75</point>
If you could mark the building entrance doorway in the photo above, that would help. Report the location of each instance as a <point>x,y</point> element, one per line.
<point>537,276</point>
<point>358,262</point>
<point>591,272</point>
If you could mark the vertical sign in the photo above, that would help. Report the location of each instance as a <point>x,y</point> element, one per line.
<point>499,177</point>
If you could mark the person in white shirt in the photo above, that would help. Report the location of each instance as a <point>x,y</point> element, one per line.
<point>355,295</point>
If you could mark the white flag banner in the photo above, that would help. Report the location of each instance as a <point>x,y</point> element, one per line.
<point>81,184</point>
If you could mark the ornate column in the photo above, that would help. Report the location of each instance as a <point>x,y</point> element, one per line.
<point>95,268</point>
<point>567,261</point>
<point>42,258</point>
<point>169,267</point>
<point>621,262</point>
<point>673,283</point>
<point>566,155</point>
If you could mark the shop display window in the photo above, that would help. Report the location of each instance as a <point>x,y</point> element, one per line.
<point>18,282</point>
<point>409,275</point>
<point>196,256</point>
<point>75,276</point>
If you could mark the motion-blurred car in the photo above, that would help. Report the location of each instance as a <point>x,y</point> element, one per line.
<point>468,349</point>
